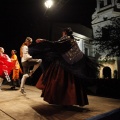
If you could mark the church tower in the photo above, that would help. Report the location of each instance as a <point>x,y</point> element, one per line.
<point>104,12</point>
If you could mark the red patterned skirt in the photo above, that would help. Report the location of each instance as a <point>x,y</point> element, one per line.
<point>61,87</point>
<point>5,66</point>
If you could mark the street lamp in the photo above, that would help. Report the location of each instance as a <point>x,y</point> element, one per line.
<point>48,3</point>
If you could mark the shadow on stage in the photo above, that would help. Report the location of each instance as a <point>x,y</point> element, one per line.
<point>55,112</point>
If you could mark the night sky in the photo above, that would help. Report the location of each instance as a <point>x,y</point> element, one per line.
<point>22,18</point>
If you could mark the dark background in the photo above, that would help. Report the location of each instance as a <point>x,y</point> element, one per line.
<point>22,18</point>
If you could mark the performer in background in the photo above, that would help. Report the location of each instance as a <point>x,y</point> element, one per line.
<point>6,66</point>
<point>27,61</point>
<point>16,70</point>
<point>63,80</point>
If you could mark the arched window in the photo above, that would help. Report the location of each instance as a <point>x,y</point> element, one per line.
<point>106,73</point>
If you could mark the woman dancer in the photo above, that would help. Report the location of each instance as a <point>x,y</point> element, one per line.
<point>63,81</point>
<point>16,70</point>
<point>6,66</point>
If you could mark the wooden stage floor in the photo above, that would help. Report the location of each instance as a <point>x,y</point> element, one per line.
<point>15,106</point>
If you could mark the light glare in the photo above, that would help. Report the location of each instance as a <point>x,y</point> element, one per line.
<point>48,3</point>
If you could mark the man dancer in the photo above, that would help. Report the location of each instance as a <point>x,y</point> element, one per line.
<point>27,61</point>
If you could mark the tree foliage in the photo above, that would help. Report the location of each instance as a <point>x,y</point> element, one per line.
<point>108,38</point>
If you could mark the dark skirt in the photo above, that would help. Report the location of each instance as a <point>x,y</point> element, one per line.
<point>59,86</point>
<point>63,83</point>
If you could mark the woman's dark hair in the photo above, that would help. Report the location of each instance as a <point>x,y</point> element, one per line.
<point>15,51</point>
<point>68,31</point>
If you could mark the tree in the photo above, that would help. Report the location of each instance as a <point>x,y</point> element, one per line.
<point>108,38</point>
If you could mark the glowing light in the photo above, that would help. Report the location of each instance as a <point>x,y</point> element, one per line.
<point>49,3</point>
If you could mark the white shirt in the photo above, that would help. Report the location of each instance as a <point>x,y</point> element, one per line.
<point>26,55</point>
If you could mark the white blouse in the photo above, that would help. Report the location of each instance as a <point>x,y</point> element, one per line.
<point>26,55</point>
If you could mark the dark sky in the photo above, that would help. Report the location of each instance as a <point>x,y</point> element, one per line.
<point>22,18</point>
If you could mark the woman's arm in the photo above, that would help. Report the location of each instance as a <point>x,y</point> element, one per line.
<point>40,40</point>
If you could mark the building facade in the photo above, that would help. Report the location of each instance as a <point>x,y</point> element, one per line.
<point>105,11</point>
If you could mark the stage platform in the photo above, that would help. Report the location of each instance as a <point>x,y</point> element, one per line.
<point>15,106</point>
